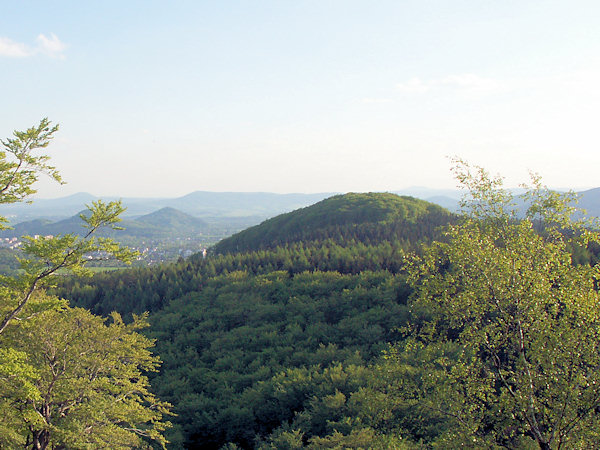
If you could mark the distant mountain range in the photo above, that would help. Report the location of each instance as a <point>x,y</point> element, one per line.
<point>196,212</point>
<point>203,204</point>
<point>589,200</point>
<point>198,204</point>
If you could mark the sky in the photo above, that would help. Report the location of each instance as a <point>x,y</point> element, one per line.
<point>159,99</point>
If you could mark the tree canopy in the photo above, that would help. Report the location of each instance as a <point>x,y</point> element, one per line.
<point>66,379</point>
<point>366,217</point>
<point>489,331</point>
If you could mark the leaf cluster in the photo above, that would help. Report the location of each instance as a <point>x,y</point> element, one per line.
<point>20,167</point>
<point>88,387</point>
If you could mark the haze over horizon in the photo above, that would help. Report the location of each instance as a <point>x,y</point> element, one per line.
<point>160,100</point>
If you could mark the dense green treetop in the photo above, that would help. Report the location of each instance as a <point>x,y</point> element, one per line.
<point>508,343</point>
<point>276,340</point>
<point>347,234</point>
<point>222,345</point>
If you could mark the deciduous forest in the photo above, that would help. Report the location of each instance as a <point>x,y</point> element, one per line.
<point>363,321</point>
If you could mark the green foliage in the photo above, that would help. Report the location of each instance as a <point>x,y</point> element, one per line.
<point>45,258</point>
<point>149,289</point>
<point>86,385</point>
<point>362,438</point>
<point>278,346</point>
<point>19,167</point>
<point>352,406</point>
<point>229,325</point>
<point>9,265</point>
<point>507,328</point>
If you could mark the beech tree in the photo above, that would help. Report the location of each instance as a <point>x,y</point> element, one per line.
<point>506,329</point>
<point>87,386</point>
<point>66,379</point>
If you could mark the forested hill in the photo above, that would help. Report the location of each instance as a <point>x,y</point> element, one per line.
<point>366,217</point>
<point>250,338</point>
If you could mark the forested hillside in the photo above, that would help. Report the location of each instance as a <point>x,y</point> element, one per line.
<point>367,218</point>
<point>358,323</point>
<point>347,248</point>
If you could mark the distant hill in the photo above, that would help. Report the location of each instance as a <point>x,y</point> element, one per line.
<point>590,201</point>
<point>364,217</point>
<point>171,218</point>
<point>166,222</point>
<point>29,228</point>
<point>49,209</point>
<point>217,206</point>
<point>45,227</point>
<point>449,203</point>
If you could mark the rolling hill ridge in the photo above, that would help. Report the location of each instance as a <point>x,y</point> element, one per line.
<point>166,222</point>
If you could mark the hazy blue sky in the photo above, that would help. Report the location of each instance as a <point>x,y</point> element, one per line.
<point>160,98</point>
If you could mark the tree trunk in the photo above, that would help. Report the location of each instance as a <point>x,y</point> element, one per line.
<point>41,439</point>
<point>543,445</point>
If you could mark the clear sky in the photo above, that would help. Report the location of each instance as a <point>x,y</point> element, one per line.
<point>159,98</point>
